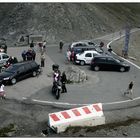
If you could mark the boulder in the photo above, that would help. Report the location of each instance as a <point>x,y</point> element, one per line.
<point>75,75</point>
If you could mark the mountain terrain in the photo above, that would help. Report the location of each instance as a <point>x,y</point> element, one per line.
<point>65,21</point>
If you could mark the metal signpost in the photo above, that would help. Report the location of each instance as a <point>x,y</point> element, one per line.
<point>127,37</point>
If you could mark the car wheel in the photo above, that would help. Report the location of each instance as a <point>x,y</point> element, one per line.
<point>13,81</point>
<point>34,73</point>
<point>82,63</point>
<point>96,68</point>
<point>122,69</point>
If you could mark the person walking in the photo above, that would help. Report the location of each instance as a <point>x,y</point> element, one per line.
<point>61,46</point>
<point>42,60</point>
<point>63,81</point>
<point>2,92</point>
<point>130,89</point>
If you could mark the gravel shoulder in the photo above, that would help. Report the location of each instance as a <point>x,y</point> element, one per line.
<point>134,47</point>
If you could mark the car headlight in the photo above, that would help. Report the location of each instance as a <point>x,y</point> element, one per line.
<point>7,78</point>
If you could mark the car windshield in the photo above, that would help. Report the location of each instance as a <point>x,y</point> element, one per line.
<point>12,69</point>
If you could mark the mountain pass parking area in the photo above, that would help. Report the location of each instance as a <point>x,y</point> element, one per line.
<point>106,87</point>
<point>102,86</point>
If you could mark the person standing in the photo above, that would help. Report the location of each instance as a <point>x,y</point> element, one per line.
<point>110,49</point>
<point>5,48</point>
<point>129,89</point>
<point>33,55</point>
<point>32,45</point>
<point>61,46</point>
<point>23,55</point>
<point>68,54</point>
<point>63,81</point>
<point>101,45</point>
<point>29,54</point>
<point>42,60</point>
<point>2,92</point>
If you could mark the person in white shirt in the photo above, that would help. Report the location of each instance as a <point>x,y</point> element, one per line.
<point>2,92</point>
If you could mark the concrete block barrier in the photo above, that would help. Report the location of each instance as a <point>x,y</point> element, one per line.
<point>91,115</point>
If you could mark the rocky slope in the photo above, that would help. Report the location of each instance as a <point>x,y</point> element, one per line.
<point>65,21</point>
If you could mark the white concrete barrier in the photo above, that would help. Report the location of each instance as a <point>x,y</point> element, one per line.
<point>91,115</point>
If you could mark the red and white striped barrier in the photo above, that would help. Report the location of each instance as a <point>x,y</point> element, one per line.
<point>91,115</point>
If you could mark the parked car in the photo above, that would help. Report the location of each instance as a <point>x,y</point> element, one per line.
<point>83,44</point>
<point>105,62</point>
<point>80,47</point>
<point>19,71</point>
<point>3,58</point>
<point>86,57</point>
<point>77,44</point>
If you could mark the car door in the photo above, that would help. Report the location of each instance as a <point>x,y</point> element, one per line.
<point>112,64</point>
<point>102,63</point>
<point>28,69</point>
<point>88,57</point>
<point>20,73</point>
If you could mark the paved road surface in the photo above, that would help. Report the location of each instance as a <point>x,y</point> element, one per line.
<point>102,86</point>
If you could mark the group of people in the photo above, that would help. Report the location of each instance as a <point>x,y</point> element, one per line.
<point>28,55</point>
<point>42,48</point>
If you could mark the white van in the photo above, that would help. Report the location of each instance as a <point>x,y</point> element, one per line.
<point>85,57</point>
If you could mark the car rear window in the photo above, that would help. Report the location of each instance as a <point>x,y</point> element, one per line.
<point>88,55</point>
<point>102,59</point>
<point>12,68</point>
<point>33,64</point>
<point>28,66</point>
